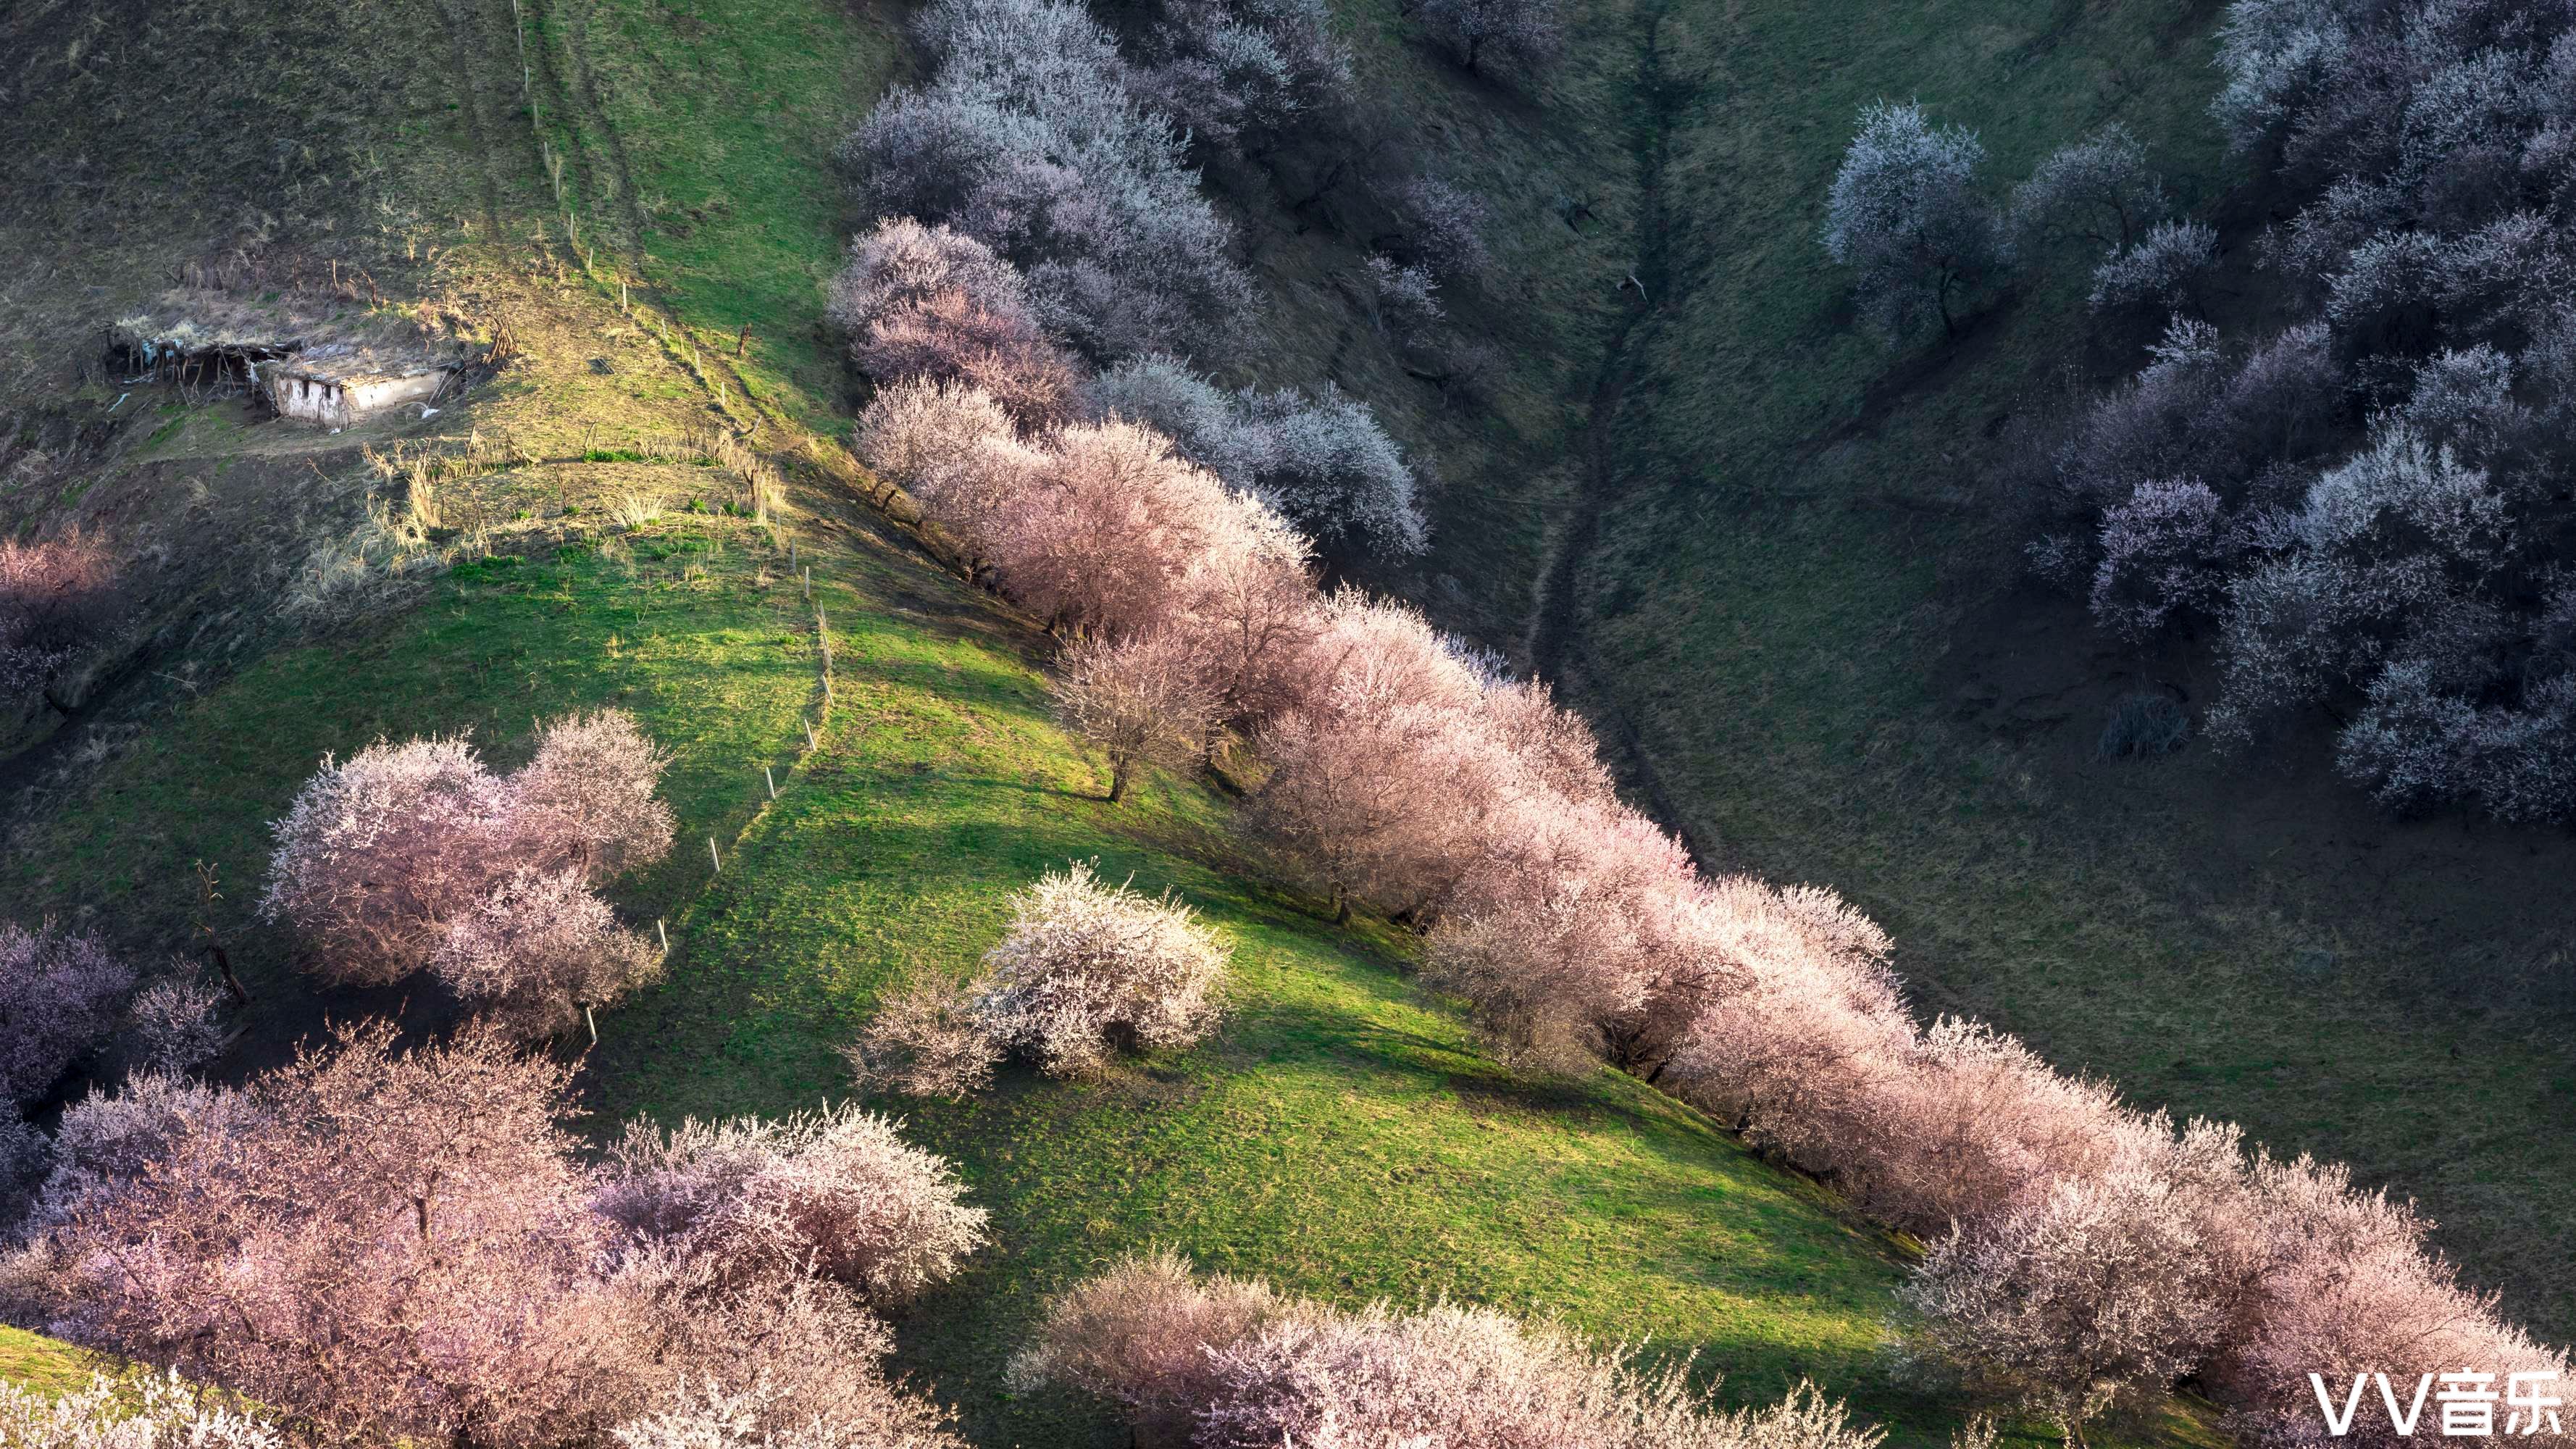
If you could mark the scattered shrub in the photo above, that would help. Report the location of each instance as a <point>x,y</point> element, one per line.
<point>173,1025</point>
<point>1446,224</point>
<point>836,1193</point>
<point>2098,191</point>
<point>1403,301</point>
<point>2142,726</point>
<point>59,996</point>
<point>1904,213</point>
<point>1527,33</point>
<point>2160,271</point>
<point>54,597</point>
<point>925,1040</point>
<point>1087,967</point>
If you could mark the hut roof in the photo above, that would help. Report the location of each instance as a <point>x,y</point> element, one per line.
<point>352,362</point>
<point>317,336</point>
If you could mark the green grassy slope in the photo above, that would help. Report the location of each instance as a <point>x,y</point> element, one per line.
<point>717,660</point>
<point>40,1363</point>
<point>699,138</point>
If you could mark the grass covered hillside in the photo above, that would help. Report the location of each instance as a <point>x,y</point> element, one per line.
<point>1343,1134</point>
<point>607,195</point>
<point>1665,468</point>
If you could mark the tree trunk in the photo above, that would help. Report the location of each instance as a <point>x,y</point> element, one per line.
<point>232,983</point>
<point>1118,769</point>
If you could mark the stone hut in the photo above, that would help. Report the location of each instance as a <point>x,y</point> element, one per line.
<point>314,364</point>
<point>336,385</point>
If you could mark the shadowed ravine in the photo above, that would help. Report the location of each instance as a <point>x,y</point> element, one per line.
<point>1557,649</point>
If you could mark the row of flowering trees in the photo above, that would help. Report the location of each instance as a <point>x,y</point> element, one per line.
<point>1232,1364</point>
<point>1070,224</point>
<point>2085,1253</point>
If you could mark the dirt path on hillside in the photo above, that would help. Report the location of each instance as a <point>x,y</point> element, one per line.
<point>1557,647</point>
